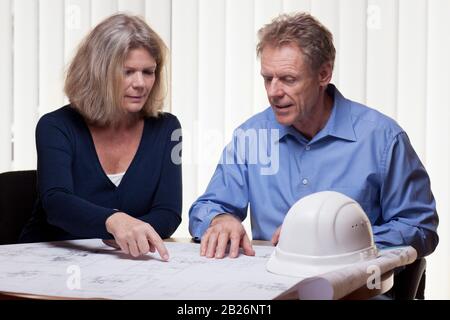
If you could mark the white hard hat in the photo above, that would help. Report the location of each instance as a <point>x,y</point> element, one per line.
<point>322,232</point>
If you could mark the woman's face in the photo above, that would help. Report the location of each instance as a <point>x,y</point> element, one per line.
<point>138,79</point>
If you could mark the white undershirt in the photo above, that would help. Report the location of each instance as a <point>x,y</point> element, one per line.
<point>116,178</point>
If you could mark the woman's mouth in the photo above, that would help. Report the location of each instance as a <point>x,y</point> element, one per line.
<point>134,98</point>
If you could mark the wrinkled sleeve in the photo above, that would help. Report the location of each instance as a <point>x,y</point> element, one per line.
<point>409,214</point>
<point>55,184</point>
<point>227,192</point>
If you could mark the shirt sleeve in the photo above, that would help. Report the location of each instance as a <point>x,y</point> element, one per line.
<point>409,214</point>
<point>227,192</point>
<point>64,209</point>
<point>165,214</point>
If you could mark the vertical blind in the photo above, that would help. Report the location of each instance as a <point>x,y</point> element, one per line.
<point>391,55</point>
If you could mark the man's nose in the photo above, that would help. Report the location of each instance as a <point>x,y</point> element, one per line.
<point>275,89</point>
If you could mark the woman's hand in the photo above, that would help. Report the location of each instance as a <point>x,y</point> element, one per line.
<point>134,236</point>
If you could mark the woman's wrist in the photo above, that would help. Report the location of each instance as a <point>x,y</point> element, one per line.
<point>110,221</point>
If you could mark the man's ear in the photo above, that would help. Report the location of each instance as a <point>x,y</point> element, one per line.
<point>325,73</point>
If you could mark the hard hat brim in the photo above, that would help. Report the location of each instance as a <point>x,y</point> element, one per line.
<point>308,266</point>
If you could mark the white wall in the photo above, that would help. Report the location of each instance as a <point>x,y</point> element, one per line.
<point>391,55</point>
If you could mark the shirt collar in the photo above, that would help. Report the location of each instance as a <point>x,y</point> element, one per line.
<point>339,125</point>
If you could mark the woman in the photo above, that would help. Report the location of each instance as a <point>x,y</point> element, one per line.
<point>104,161</point>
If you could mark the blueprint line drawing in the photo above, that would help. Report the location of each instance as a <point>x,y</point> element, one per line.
<point>40,268</point>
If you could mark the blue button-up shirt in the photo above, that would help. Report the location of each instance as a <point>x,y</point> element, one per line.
<point>360,153</point>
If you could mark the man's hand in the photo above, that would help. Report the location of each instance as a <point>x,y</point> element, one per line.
<point>224,228</point>
<point>276,236</point>
<point>134,236</point>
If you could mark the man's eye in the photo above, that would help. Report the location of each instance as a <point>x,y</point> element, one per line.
<point>289,80</point>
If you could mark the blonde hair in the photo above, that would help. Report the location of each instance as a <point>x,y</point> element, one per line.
<point>312,38</point>
<point>94,77</point>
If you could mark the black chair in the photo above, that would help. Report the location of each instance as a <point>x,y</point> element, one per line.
<point>18,193</point>
<point>409,283</point>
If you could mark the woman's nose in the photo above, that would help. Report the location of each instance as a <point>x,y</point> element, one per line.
<point>138,80</point>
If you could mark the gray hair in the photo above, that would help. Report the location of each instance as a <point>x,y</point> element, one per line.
<point>312,38</point>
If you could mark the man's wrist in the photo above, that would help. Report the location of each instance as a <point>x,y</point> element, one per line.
<point>218,216</point>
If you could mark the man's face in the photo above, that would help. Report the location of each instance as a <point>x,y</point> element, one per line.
<point>292,87</point>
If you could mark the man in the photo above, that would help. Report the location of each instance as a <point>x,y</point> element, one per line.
<point>322,141</point>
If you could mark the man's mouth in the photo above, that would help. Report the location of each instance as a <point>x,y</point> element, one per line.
<point>283,106</point>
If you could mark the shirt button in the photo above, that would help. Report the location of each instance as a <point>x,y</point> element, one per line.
<point>305,181</point>
<point>308,148</point>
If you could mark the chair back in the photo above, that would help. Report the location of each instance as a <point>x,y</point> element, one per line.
<point>18,194</point>
<point>409,284</point>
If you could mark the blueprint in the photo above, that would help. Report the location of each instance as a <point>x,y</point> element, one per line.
<point>91,269</point>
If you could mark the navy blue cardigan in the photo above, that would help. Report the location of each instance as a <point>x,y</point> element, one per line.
<point>76,196</point>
